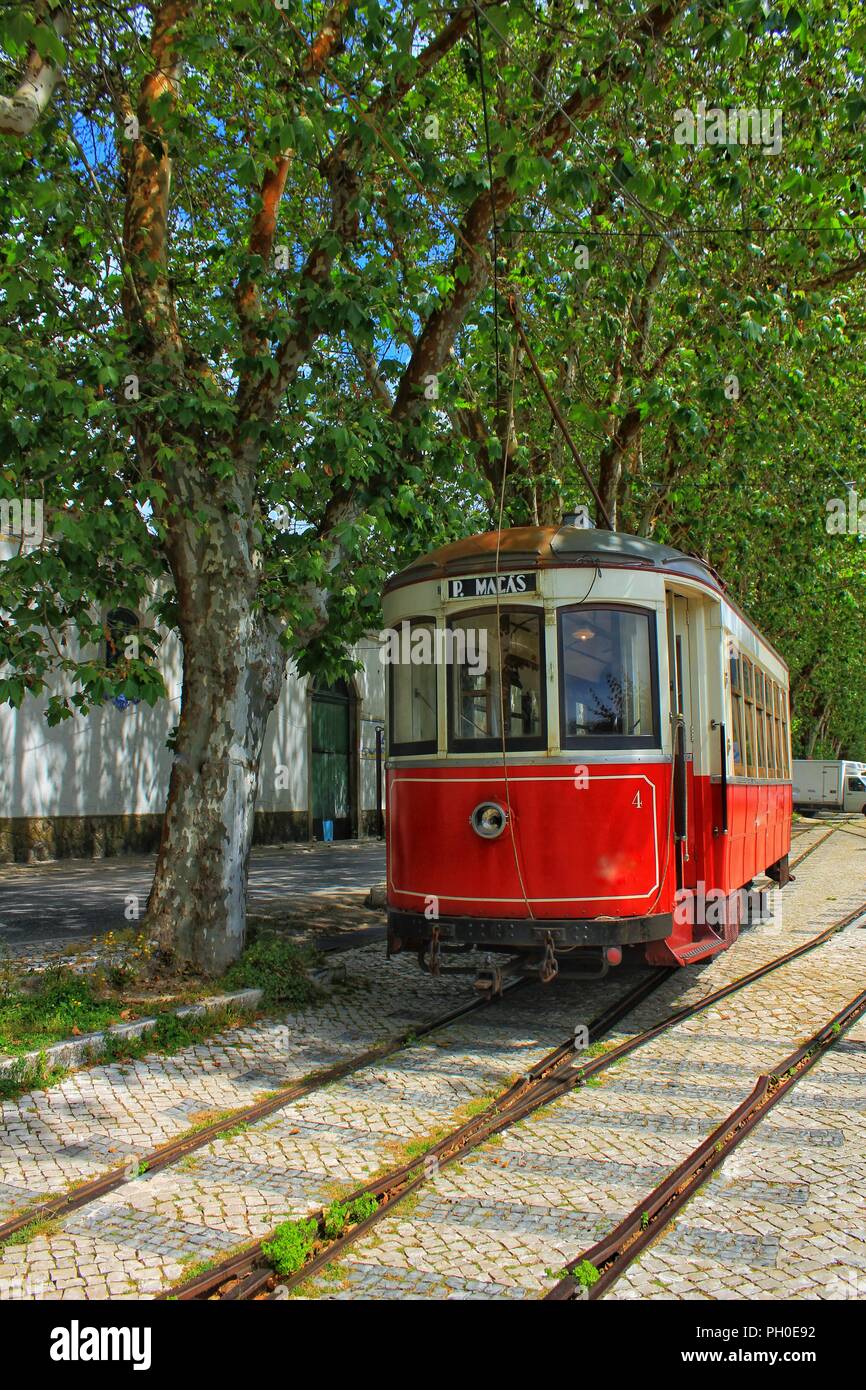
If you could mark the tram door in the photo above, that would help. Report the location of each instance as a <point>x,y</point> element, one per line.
<point>680,673</point>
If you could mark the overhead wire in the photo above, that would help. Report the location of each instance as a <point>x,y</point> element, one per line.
<point>509,813</point>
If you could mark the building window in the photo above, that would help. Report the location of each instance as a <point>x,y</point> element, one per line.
<point>608,677</point>
<point>412,688</point>
<point>496,677</point>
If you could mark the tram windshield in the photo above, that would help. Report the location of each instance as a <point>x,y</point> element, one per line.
<point>497,672</point>
<point>607,676</point>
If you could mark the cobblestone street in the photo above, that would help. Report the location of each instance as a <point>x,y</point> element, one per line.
<point>783,1217</point>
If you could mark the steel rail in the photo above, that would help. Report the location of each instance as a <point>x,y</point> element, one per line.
<point>558,1075</point>
<point>399,1182</point>
<point>176,1149</point>
<point>172,1152</point>
<point>613,1254</point>
<point>555,1076</point>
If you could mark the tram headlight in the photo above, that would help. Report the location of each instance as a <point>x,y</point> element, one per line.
<point>488,820</point>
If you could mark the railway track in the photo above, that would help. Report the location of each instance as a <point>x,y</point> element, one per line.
<point>248,1275</point>
<point>603,1263</point>
<point>166,1154</point>
<point>239,1277</point>
<point>175,1150</point>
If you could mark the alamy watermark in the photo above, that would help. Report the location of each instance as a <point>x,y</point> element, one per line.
<point>413,645</point>
<point>712,907</point>
<point>740,125</point>
<point>846,516</point>
<point>22,518</point>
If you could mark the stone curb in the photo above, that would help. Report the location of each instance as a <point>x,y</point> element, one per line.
<point>76,1052</point>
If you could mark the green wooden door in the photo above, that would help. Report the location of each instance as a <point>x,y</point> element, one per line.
<point>332,760</point>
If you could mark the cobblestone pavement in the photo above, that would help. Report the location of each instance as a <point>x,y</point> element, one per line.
<point>487,1227</point>
<point>784,1217</point>
<point>140,1237</point>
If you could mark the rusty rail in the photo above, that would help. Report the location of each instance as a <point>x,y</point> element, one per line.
<point>556,1075</point>
<point>611,1256</point>
<point>176,1149</point>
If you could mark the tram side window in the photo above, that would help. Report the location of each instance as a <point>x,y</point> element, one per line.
<point>785,750</point>
<point>607,676</point>
<point>413,688</point>
<point>748,718</point>
<point>759,723</point>
<point>779,759</point>
<point>769,714</point>
<point>497,671</point>
<point>737,713</point>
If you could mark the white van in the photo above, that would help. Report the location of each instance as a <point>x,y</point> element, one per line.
<point>838,786</point>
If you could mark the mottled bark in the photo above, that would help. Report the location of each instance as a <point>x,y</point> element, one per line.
<point>20,112</point>
<point>233,669</point>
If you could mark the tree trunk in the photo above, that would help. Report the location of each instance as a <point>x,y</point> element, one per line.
<point>233,669</point>
<point>817,731</point>
<point>608,485</point>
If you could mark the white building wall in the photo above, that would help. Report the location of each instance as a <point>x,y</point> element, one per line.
<point>114,763</point>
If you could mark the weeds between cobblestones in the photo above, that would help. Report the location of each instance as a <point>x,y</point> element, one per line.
<point>373,1275</point>
<point>51,1005</point>
<point>163,1157</point>
<point>343,1138</point>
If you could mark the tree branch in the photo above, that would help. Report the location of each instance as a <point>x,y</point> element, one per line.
<point>839,276</point>
<point>21,112</point>
<point>264,224</point>
<point>469,265</point>
<point>145,224</point>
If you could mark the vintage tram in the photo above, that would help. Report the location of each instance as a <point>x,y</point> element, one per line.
<point>588,750</point>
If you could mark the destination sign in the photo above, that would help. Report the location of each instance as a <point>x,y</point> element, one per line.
<point>489,585</point>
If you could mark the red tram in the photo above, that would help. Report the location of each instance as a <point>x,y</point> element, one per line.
<point>588,750</point>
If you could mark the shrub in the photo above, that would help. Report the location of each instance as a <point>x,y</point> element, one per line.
<point>277,967</point>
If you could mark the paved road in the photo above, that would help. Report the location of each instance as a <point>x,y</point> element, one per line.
<point>83,898</point>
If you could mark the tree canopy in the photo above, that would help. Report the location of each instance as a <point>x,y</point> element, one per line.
<point>261,270</point>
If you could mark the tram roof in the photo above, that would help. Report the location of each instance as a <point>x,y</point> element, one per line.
<point>551,547</point>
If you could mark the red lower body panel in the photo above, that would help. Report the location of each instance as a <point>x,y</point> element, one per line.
<point>575,844</point>
<point>578,843</point>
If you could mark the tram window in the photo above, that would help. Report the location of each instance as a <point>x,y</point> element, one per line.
<point>785,751</point>
<point>607,676</point>
<point>737,713</point>
<point>748,718</point>
<point>770,690</point>
<point>413,690</point>
<point>779,760</point>
<point>497,671</point>
<point>760,739</point>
